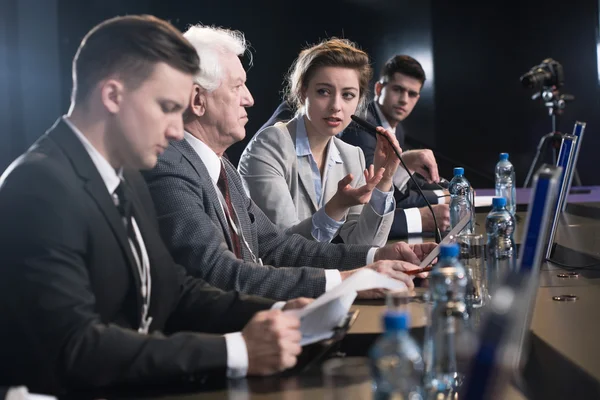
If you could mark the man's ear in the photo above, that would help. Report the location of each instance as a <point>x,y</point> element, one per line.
<point>111,91</point>
<point>378,89</point>
<point>198,101</point>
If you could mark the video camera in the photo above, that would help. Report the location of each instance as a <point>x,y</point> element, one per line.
<point>548,74</point>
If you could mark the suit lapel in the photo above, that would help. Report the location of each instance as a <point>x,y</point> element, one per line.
<point>337,170</point>
<point>372,115</point>
<point>306,178</point>
<point>196,162</point>
<point>304,168</point>
<point>243,221</point>
<point>95,187</point>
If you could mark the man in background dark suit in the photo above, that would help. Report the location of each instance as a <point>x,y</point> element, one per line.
<point>226,242</point>
<point>396,94</point>
<point>90,296</point>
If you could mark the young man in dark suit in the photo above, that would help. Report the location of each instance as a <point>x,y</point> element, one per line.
<point>397,92</point>
<point>90,295</point>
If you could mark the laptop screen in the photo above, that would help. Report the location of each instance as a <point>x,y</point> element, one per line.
<point>503,336</point>
<point>565,161</point>
<point>578,133</point>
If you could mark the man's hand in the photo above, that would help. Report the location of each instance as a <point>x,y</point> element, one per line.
<point>442,214</point>
<point>296,304</point>
<point>405,252</point>
<point>423,162</point>
<point>273,342</point>
<point>393,269</point>
<point>422,250</point>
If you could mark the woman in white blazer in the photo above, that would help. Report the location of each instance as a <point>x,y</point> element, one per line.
<point>302,176</point>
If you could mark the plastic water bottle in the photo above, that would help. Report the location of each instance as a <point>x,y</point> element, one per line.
<point>501,252</point>
<point>396,361</point>
<point>449,325</point>
<point>460,199</point>
<point>505,182</point>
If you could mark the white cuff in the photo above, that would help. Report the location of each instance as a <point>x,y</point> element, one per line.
<point>237,355</point>
<point>278,306</point>
<point>415,240</point>
<point>371,255</point>
<point>441,196</point>
<point>332,279</point>
<point>413,220</point>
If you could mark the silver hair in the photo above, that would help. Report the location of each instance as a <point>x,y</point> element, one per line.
<point>210,42</point>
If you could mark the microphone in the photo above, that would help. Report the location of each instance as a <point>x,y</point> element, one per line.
<point>373,130</point>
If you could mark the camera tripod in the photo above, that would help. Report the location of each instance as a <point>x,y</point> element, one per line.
<point>556,103</point>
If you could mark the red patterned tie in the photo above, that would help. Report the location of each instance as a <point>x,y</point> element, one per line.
<point>224,188</point>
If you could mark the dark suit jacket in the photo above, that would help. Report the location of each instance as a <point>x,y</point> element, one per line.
<point>194,228</point>
<point>283,113</point>
<point>69,287</point>
<point>410,198</point>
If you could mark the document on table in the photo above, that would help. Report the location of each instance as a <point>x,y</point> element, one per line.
<point>322,316</point>
<point>21,393</point>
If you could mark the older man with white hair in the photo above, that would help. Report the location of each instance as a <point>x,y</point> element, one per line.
<point>206,218</point>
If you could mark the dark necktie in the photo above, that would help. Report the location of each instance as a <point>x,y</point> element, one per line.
<point>123,203</point>
<point>223,186</point>
<point>124,207</point>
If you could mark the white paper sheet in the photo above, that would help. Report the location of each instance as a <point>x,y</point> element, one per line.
<point>21,393</point>
<point>322,316</point>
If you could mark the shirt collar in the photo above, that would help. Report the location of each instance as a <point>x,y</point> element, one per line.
<point>303,145</point>
<point>110,177</point>
<point>384,122</point>
<point>210,159</point>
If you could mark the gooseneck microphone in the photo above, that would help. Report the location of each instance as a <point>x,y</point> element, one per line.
<point>373,130</point>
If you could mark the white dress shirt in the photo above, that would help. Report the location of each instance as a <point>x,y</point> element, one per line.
<point>401,178</point>
<point>237,354</point>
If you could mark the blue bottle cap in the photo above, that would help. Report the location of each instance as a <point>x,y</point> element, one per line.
<point>459,171</point>
<point>503,156</point>
<point>498,202</point>
<point>449,250</point>
<point>395,321</point>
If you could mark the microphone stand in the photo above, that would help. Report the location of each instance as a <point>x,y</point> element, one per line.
<point>556,103</point>
<point>373,130</point>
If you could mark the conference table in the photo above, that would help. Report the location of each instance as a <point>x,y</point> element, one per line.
<point>563,350</point>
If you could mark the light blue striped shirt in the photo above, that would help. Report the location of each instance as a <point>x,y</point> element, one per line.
<point>324,228</point>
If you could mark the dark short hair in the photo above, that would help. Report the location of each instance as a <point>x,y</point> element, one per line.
<point>130,47</point>
<point>405,65</point>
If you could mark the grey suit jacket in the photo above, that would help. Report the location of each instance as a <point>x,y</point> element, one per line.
<point>195,230</point>
<point>281,184</point>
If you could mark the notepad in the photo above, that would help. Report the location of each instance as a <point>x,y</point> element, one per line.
<point>319,319</point>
